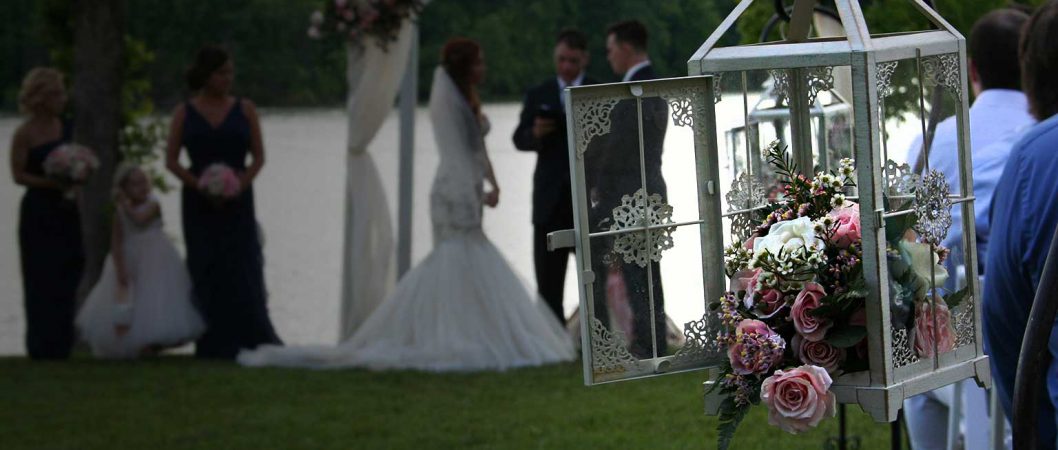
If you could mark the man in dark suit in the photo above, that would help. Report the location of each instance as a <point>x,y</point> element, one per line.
<point>614,170</point>
<point>542,129</point>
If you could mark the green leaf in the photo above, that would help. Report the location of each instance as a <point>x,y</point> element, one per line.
<point>826,309</point>
<point>846,337</point>
<point>955,298</point>
<point>895,227</point>
<point>730,417</point>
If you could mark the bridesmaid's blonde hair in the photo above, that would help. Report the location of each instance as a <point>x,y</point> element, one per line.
<point>34,84</point>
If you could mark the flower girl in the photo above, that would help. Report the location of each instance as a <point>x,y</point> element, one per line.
<point>142,302</point>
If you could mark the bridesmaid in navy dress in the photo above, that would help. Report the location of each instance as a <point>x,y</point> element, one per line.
<point>223,246</point>
<point>49,226</point>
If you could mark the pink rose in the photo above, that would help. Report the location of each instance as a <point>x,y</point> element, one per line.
<point>746,280</point>
<point>770,301</point>
<point>819,354</point>
<point>798,399</point>
<point>847,219</point>
<point>755,348</point>
<point>811,327</point>
<point>926,333</point>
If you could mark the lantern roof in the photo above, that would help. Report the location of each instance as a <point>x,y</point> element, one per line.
<point>799,50</point>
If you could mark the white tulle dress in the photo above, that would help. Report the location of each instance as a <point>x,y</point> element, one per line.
<point>463,308</point>
<point>156,307</point>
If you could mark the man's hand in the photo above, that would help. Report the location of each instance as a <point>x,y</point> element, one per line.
<point>543,127</point>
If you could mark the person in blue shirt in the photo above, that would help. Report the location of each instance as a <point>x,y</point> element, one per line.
<point>1023,220</point>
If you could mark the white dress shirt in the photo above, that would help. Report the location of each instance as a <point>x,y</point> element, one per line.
<point>562,85</point>
<point>632,71</point>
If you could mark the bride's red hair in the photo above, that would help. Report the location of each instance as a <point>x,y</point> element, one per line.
<point>458,57</point>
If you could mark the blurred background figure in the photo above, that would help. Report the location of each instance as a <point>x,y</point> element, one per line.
<point>223,243</point>
<point>1023,221</point>
<point>542,129</point>
<point>49,227</point>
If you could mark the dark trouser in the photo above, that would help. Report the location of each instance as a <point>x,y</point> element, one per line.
<point>550,270</point>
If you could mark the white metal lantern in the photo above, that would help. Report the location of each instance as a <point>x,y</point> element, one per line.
<point>634,146</point>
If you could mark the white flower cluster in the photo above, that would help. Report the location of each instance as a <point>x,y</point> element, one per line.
<point>826,180</point>
<point>736,257</point>
<point>791,247</point>
<point>837,201</point>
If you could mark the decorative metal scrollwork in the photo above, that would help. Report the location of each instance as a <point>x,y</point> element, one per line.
<point>745,193</point>
<point>639,211</point>
<point>817,79</point>
<point>699,342</point>
<point>885,79</point>
<point>899,179</point>
<point>933,207</point>
<point>780,87</point>
<point>594,114</point>
<point>609,352</point>
<point>943,70</point>
<point>742,227</point>
<point>963,320</point>
<point>903,353</point>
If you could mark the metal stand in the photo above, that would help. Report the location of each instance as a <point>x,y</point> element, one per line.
<point>843,441</point>
<point>896,438</point>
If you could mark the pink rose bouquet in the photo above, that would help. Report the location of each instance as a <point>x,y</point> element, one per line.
<point>220,182</point>
<point>798,279</point>
<point>71,163</point>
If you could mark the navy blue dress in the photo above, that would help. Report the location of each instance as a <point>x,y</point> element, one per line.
<point>223,247</point>
<point>49,238</point>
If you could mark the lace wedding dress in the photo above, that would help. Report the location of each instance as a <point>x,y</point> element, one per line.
<point>461,309</point>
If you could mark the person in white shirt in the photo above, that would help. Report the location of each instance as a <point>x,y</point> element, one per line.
<point>997,117</point>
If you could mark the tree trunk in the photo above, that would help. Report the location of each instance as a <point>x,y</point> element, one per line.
<point>99,45</point>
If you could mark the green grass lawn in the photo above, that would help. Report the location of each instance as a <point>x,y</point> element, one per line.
<point>182,403</point>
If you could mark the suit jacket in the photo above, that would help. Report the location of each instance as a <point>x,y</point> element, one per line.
<point>552,194</point>
<point>612,162</point>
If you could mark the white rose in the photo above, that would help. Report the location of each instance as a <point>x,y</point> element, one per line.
<point>788,237</point>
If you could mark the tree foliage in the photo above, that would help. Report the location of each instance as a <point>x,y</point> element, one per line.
<point>278,65</point>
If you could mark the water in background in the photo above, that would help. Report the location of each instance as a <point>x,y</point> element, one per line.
<point>300,206</point>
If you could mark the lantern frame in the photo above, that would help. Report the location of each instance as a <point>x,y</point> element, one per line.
<point>939,55</point>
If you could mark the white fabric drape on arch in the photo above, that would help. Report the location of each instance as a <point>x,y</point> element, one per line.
<point>373,75</point>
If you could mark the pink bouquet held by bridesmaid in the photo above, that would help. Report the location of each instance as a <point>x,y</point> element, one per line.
<point>71,164</point>
<point>219,182</point>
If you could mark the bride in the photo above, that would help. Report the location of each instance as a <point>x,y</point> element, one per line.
<point>462,308</point>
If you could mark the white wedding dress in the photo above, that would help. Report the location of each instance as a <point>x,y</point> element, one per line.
<point>461,309</point>
<point>156,306</point>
